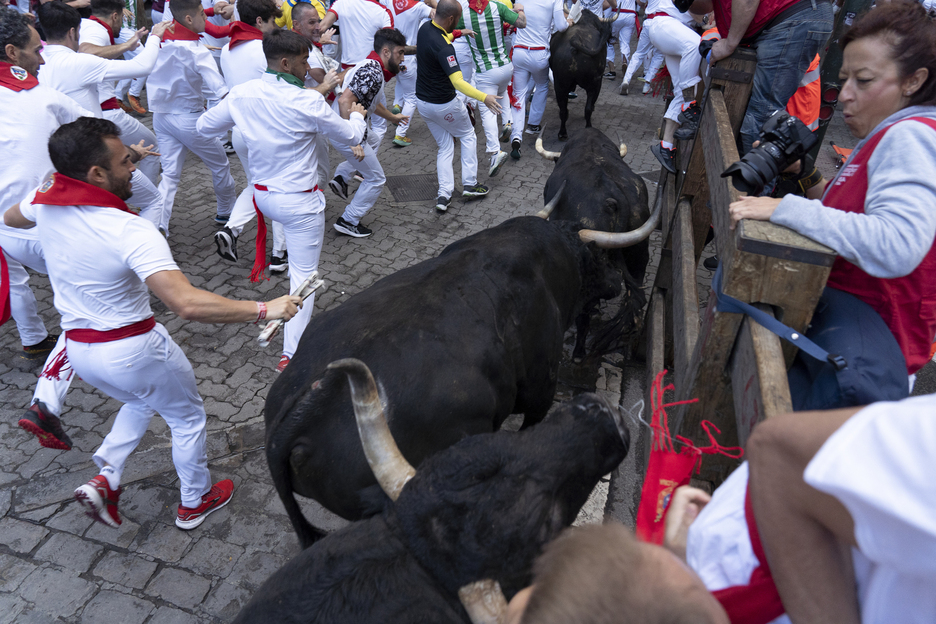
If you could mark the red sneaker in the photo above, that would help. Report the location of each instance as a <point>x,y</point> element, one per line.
<point>217,497</point>
<point>46,426</point>
<point>284,360</point>
<point>99,501</point>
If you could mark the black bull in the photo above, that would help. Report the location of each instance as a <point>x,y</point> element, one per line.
<point>479,511</point>
<point>577,58</point>
<point>462,341</point>
<point>592,185</point>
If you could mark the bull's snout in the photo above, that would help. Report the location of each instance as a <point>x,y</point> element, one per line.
<point>599,407</point>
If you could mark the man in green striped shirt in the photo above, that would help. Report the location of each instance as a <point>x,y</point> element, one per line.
<point>491,57</point>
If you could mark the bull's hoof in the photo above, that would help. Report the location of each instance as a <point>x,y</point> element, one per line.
<point>563,135</point>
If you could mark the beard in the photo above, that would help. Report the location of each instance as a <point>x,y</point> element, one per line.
<point>121,188</point>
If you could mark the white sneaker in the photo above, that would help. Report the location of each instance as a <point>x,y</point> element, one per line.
<point>497,161</point>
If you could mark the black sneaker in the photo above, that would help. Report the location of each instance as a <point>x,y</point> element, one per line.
<point>279,264</point>
<point>667,157</point>
<point>686,132</point>
<point>443,203</point>
<point>533,129</point>
<point>221,219</point>
<point>346,227</point>
<point>710,263</point>
<point>610,75</point>
<point>515,149</point>
<point>48,428</point>
<point>478,190</point>
<point>227,244</point>
<point>471,114</point>
<point>228,148</point>
<point>691,115</point>
<point>41,349</point>
<point>339,187</point>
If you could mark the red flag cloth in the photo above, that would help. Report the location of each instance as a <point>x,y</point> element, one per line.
<point>16,78</point>
<point>669,469</point>
<point>4,289</point>
<point>241,32</point>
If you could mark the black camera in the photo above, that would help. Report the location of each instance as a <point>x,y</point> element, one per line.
<point>784,140</point>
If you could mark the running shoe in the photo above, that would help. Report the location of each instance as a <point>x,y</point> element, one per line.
<point>217,497</point>
<point>357,231</point>
<point>99,501</point>
<point>44,425</point>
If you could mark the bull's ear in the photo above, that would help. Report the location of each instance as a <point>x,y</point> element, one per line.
<point>610,205</point>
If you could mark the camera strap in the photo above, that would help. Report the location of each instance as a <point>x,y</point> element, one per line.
<point>726,303</point>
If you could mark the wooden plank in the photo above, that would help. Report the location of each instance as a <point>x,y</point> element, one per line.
<point>768,239</point>
<point>685,295</point>
<point>730,75</point>
<point>758,377</point>
<point>655,329</point>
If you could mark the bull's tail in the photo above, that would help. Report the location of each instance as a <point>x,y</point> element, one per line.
<point>625,325</point>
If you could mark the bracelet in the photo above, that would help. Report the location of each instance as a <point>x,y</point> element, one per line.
<point>261,312</point>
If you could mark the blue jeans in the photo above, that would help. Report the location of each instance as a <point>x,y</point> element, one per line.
<point>784,52</point>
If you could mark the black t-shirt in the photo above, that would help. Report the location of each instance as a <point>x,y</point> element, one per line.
<point>435,62</point>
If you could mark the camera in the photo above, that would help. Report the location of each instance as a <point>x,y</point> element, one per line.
<point>784,139</point>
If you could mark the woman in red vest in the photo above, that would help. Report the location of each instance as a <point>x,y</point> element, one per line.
<point>879,212</point>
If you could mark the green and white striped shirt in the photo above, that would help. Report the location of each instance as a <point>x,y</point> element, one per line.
<point>488,49</point>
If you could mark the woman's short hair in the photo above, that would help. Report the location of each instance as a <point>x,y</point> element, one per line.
<point>911,34</point>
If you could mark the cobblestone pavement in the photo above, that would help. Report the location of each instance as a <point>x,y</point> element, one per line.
<point>56,565</point>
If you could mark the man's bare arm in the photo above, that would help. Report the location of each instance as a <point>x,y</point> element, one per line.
<point>113,51</point>
<point>14,218</point>
<point>742,14</point>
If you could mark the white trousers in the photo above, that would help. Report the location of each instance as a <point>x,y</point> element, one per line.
<point>131,133</point>
<point>405,92</point>
<point>531,69</point>
<point>446,123</point>
<point>175,133</point>
<point>378,126</point>
<point>466,65</point>
<point>243,210</point>
<point>134,85</point>
<point>303,218</point>
<point>146,196</point>
<point>646,55</point>
<point>149,374</point>
<point>622,29</point>
<point>679,45</point>
<point>493,81</point>
<point>55,379</point>
<point>369,190</point>
<point>23,307</point>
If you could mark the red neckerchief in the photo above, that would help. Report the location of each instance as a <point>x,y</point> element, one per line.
<point>316,44</point>
<point>64,191</point>
<point>16,78</point>
<point>477,6</point>
<point>106,27</point>
<point>180,33</point>
<point>403,5</point>
<point>386,74</point>
<point>241,32</point>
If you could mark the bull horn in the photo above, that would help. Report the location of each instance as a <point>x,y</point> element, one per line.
<point>384,457</point>
<point>553,156</point>
<point>622,149</point>
<point>484,601</point>
<point>616,240</point>
<point>610,19</point>
<point>548,208</point>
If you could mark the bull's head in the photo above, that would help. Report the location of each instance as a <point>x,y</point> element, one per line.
<point>483,600</point>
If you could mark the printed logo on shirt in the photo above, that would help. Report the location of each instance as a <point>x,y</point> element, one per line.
<point>452,62</point>
<point>449,117</point>
<point>19,73</point>
<point>847,172</point>
<point>46,185</point>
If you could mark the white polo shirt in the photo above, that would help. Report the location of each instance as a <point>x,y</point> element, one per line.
<point>408,16</point>
<point>282,155</point>
<point>96,33</point>
<point>98,259</point>
<point>185,71</point>
<point>27,120</point>
<point>79,75</point>
<point>359,20</point>
<point>245,62</point>
<point>542,17</point>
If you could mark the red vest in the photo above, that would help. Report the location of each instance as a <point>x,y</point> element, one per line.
<point>766,11</point>
<point>907,304</point>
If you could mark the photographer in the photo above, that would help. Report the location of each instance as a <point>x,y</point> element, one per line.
<point>787,35</point>
<point>879,212</point>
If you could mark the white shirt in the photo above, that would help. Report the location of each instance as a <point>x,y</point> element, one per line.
<point>98,259</point>
<point>78,75</point>
<point>318,60</point>
<point>542,17</point>
<point>97,34</point>
<point>185,71</point>
<point>217,20</point>
<point>359,20</point>
<point>667,6</point>
<point>282,155</point>
<point>245,62</point>
<point>27,120</point>
<point>408,17</point>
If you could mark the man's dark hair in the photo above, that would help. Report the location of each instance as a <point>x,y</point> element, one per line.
<point>299,10</point>
<point>106,8</point>
<point>388,37</point>
<point>283,43</point>
<point>57,18</point>
<point>77,146</point>
<point>181,8</point>
<point>250,10</point>
<point>448,8</point>
<point>14,30</point>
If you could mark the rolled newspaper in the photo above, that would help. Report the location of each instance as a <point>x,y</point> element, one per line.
<point>306,288</point>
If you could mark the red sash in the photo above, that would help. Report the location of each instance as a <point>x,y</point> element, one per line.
<point>907,304</point>
<point>93,336</point>
<point>16,78</point>
<point>106,27</point>
<point>64,191</point>
<point>260,263</point>
<point>241,32</point>
<point>111,104</point>
<point>4,289</point>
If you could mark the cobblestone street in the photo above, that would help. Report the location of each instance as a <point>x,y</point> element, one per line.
<point>57,565</point>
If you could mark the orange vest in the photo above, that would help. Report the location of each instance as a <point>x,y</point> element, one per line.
<point>805,103</point>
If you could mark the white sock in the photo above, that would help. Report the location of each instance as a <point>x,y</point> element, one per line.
<point>666,144</point>
<point>112,476</point>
